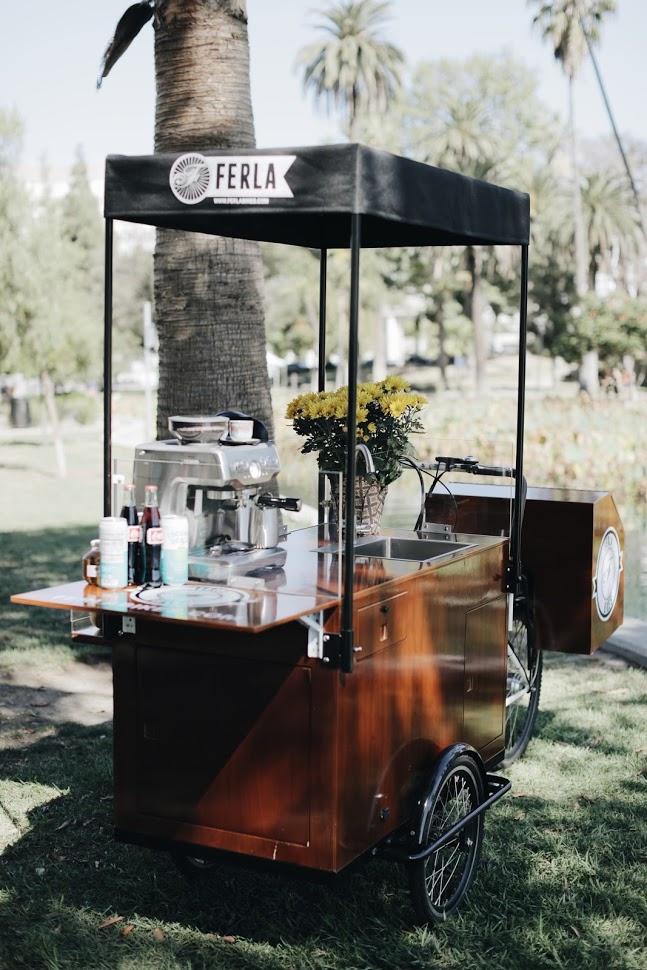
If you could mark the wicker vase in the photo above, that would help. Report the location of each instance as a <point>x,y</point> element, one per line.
<point>369,503</point>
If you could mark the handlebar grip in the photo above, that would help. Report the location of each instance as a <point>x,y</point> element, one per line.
<point>493,470</point>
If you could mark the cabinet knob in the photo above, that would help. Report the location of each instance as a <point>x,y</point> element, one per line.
<point>384,609</point>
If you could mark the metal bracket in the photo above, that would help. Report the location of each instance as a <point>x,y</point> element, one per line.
<point>323,646</point>
<point>436,527</point>
<point>332,649</point>
<point>511,579</point>
<point>315,634</point>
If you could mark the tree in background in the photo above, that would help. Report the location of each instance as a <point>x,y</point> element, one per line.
<point>351,68</point>
<point>14,222</point>
<point>564,23</point>
<point>208,290</point>
<point>611,222</point>
<point>50,308</point>
<point>480,117</point>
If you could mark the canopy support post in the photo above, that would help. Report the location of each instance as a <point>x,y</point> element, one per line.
<point>514,565</point>
<point>107,373</point>
<point>321,376</point>
<point>351,454</point>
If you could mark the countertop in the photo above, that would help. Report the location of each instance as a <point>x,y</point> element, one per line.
<point>309,581</point>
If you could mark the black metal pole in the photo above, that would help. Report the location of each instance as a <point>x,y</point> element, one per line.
<point>321,380</point>
<point>107,374</point>
<point>514,568</point>
<point>351,454</point>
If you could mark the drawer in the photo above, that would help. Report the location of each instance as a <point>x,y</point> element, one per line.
<point>381,624</point>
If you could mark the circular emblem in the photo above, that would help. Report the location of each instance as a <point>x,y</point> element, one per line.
<point>606,582</point>
<point>189,178</point>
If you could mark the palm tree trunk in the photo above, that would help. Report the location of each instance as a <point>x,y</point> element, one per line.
<point>588,369</point>
<point>475,301</point>
<point>208,291</point>
<point>580,246</point>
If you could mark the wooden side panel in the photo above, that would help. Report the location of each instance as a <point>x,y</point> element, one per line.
<point>224,743</point>
<point>404,704</point>
<point>562,533</point>
<point>485,673</point>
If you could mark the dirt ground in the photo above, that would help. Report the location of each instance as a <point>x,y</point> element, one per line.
<point>33,699</point>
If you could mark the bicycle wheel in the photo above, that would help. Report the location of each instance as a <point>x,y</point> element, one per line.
<point>192,867</point>
<point>439,883</point>
<point>523,685</point>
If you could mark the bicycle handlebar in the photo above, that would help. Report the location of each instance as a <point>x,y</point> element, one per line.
<point>471,466</point>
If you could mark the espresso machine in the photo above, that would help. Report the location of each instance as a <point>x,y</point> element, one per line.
<point>221,486</point>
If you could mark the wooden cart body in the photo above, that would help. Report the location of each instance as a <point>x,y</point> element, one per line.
<point>228,737</point>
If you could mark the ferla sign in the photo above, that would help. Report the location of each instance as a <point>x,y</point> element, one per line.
<point>243,179</point>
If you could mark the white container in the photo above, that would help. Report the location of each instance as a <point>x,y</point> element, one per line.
<point>175,550</point>
<point>113,566</point>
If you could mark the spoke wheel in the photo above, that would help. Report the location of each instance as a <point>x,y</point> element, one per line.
<point>193,867</point>
<point>440,882</point>
<point>523,686</point>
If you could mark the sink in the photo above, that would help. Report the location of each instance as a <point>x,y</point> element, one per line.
<point>398,547</point>
<point>414,550</point>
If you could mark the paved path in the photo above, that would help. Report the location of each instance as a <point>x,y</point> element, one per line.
<point>629,642</point>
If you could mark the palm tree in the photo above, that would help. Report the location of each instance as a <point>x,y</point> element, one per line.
<point>564,23</point>
<point>351,68</point>
<point>567,24</point>
<point>208,290</point>
<point>610,220</point>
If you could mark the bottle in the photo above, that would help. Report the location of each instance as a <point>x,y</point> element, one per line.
<point>129,513</point>
<point>151,544</point>
<point>175,550</point>
<point>90,563</point>
<point>113,563</point>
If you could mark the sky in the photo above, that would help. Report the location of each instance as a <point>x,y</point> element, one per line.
<point>50,55</point>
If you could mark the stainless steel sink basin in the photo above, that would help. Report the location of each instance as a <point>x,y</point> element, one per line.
<point>413,550</point>
<point>398,547</point>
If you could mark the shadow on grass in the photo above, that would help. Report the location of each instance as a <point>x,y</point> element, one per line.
<point>552,890</point>
<point>35,560</point>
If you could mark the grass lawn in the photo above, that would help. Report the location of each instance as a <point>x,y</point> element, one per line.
<point>562,881</point>
<point>564,869</point>
<point>561,884</point>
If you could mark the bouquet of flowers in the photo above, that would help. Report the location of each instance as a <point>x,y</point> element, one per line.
<point>387,413</point>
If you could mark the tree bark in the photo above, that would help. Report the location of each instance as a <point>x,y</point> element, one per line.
<point>580,246</point>
<point>475,267</point>
<point>52,414</point>
<point>208,290</point>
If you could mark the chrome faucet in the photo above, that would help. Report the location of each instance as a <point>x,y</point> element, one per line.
<point>367,456</point>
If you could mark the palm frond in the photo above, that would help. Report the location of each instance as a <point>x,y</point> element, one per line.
<point>127,29</point>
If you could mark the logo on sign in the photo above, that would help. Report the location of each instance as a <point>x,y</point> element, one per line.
<point>230,179</point>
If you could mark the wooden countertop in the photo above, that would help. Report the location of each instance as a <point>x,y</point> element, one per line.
<point>308,582</point>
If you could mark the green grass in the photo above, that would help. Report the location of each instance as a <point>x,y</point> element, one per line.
<point>562,882</point>
<point>564,870</point>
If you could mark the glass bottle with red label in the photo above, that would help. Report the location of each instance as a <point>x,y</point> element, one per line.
<point>129,513</point>
<point>151,544</point>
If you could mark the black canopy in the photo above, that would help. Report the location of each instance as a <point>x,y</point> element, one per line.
<point>307,196</point>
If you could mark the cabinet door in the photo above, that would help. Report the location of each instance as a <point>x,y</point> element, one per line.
<point>224,743</point>
<point>485,672</point>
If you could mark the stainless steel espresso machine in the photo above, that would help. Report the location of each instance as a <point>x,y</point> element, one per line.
<point>221,486</point>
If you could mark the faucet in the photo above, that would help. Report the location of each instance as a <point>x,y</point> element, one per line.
<point>367,456</point>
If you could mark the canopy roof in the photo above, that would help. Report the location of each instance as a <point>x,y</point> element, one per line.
<point>306,197</point>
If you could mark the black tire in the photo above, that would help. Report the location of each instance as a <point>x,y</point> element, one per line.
<point>439,883</point>
<point>523,683</point>
<point>193,867</point>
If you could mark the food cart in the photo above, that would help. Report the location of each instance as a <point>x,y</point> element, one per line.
<point>334,696</point>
